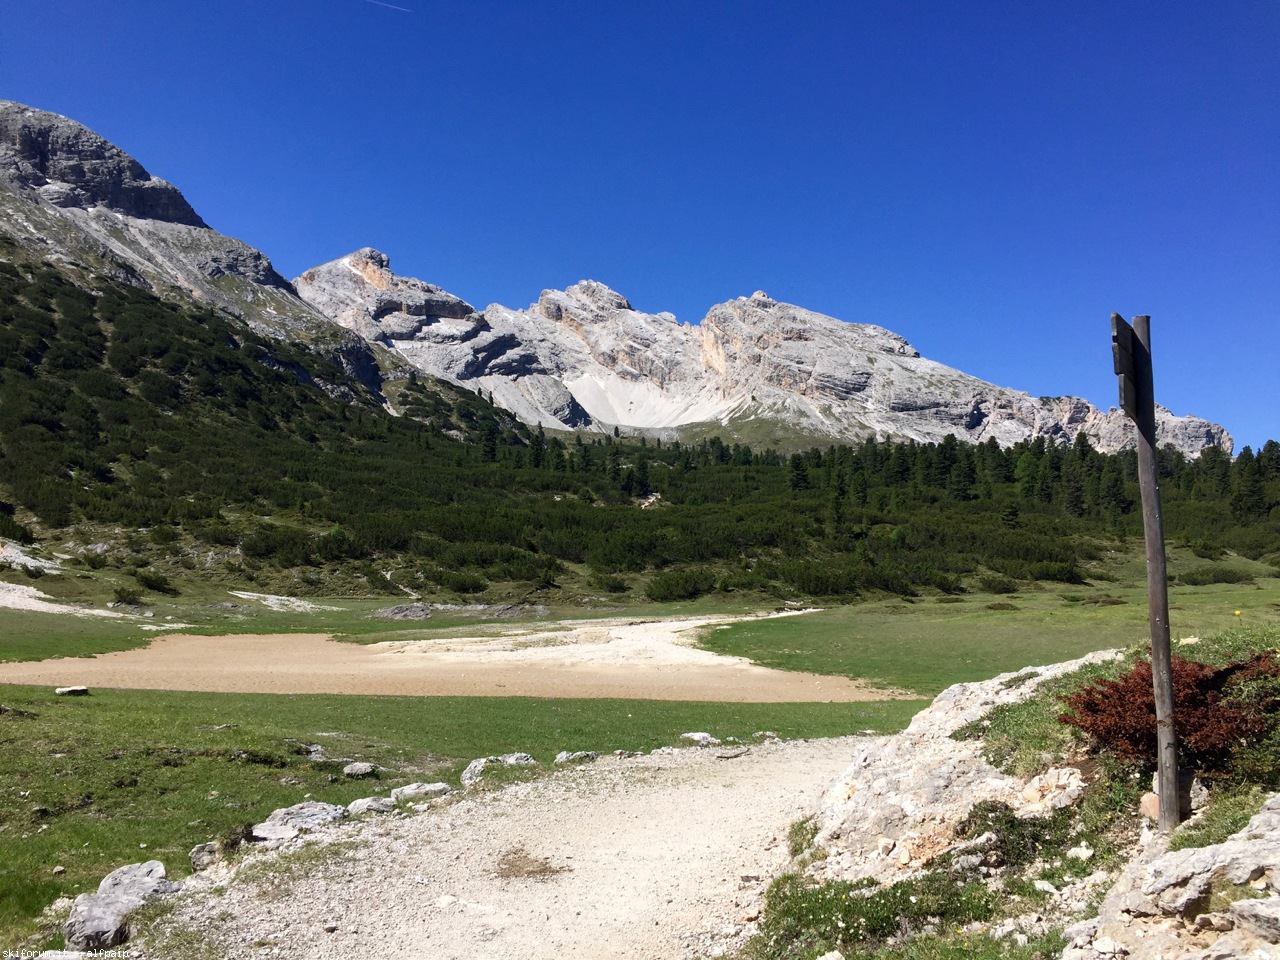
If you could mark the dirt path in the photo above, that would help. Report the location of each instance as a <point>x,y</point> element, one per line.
<point>603,658</point>
<point>650,857</point>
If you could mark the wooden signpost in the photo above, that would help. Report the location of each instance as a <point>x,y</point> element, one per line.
<point>1131,350</point>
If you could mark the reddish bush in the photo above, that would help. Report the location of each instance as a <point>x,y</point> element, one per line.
<point>1120,714</point>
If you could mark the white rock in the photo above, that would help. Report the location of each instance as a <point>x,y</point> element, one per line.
<point>1081,852</point>
<point>583,356</point>
<point>370,805</point>
<point>420,791</point>
<point>577,756</point>
<point>701,739</point>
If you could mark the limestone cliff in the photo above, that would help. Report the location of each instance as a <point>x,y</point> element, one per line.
<point>74,197</point>
<point>754,368</point>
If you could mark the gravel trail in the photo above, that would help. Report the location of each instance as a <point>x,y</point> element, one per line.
<point>663,856</point>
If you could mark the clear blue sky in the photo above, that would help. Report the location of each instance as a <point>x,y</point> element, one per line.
<point>988,179</point>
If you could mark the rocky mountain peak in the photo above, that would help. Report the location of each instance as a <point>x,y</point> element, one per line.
<point>360,292</point>
<point>584,301</point>
<point>584,357</point>
<point>73,196</point>
<point>71,166</point>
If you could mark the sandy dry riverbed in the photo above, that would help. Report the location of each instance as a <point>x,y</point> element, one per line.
<point>602,658</point>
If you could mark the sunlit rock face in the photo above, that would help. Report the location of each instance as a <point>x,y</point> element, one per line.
<point>74,197</point>
<point>753,368</point>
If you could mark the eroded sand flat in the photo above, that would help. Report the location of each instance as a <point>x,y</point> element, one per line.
<point>622,658</point>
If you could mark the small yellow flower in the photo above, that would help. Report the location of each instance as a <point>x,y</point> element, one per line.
<point>1237,613</point>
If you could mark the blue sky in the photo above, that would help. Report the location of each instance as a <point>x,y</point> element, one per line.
<point>988,179</point>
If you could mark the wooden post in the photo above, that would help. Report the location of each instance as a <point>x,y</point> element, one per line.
<point>1131,351</point>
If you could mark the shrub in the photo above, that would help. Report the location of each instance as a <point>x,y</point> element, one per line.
<point>682,584</point>
<point>463,581</point>
<point>154,580</point>
<point>1019,840</point>
<point>1211,725</point>
<point>1202,576</point>
<point>608,582</point>
<point>1057,571</point>
<point>809,919</point>
<point>127,595</point>
<point>994,583</point>
<point>10,529</point>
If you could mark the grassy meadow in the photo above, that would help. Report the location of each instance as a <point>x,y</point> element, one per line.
<point>119,776</point>
<point>930,643</point>
<point>88,782</point>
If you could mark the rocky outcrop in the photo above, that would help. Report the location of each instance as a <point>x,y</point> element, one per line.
<point>583,357</point>
<point>69,165</point>
<point>360,292</point>
<point>290,822</point>
<point>99,920</point>
<point>899,802</point>
<point>1203,903</point>
<point>72,196</point>
<point>895,809</point>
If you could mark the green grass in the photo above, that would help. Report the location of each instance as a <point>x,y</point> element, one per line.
<point>1226,814</point>
<point>85,781</point>
<point>926,647</point>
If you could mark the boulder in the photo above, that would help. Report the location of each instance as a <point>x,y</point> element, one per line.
<point>370,805</point>
<point>701,739</point>
<point>1052,790</point>
<point>205,855</point>
<point>359,769</point>
<point>577,756</point>
<point>98,920</point>
<point>476,768</point>
<point>420,791</point>
<point>288,822</point>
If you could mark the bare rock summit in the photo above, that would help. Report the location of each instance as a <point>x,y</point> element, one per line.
<point>767,372</point>
<point>72,196</point>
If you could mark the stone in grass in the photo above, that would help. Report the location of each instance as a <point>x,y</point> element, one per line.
<point>205,855</point>
<point>77,691</point>
<point>98,920</point>
<point>577,756</point>
<point>359,770</point>
<point>476,768</point>
<point>701,739</point>
<point>288,822</point>
<point>420,791</point>
<point>370,805</point>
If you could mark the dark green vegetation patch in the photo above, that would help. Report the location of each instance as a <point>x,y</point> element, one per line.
<point>254,461</point>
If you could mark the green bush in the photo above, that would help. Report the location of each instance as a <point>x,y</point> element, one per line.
<point>994,583</point>
<point>463,581</point>
<point>1203,576</point>
<point>681,584</point>
<point>11,529</point>
<point>154,580</point>
<point>608,582</point>
<point>804,919</point>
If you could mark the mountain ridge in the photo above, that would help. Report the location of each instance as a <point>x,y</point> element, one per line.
<point>756,370</point>
<point>583,358</point>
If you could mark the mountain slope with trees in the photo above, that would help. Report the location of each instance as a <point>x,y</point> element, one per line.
<point>184,445</point>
